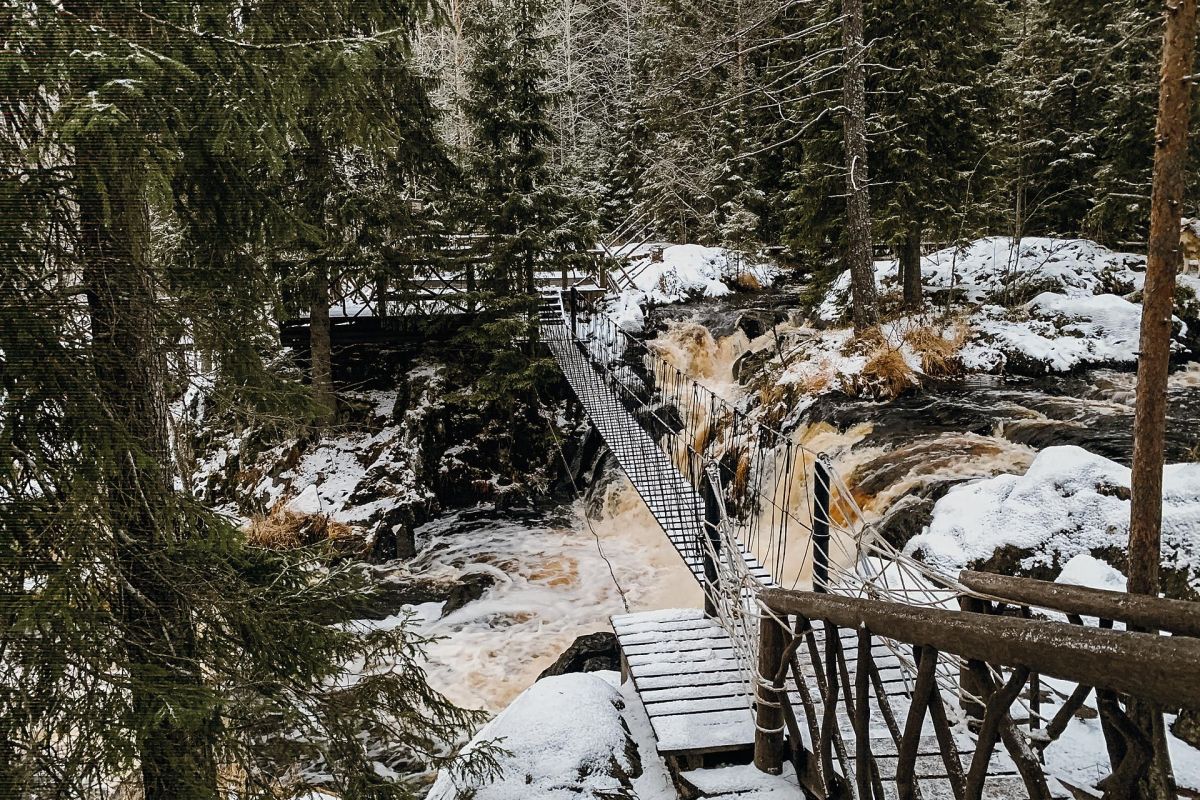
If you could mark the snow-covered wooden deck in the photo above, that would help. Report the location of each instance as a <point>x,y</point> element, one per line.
<point>688,673</point>
<point>694,689</point>
<point>690,680</point>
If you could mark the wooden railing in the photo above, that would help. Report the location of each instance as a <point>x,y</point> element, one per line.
<point>985,661</point>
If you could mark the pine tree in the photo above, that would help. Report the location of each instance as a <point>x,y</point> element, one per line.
<point>933,106</point>
<point>366,138</point>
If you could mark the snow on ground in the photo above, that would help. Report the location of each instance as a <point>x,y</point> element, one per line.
<point>1069,502</point>
<point>685,272</point>
<point>903,351</point>
<point>1085,570</point>
<point>327,475</point>
<point>565,737</point>
<point>984,270</point>
<point>1082,310</point>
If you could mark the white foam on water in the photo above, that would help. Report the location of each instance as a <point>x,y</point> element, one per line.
<point>552,586</point>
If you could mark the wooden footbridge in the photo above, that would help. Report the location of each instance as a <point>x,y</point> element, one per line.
<point>834,662</point>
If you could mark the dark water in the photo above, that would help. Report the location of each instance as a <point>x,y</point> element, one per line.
<point>1092,410</point>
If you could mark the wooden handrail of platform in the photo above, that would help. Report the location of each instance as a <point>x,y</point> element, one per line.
<point>1180,617</point>
<point>1161,669</point>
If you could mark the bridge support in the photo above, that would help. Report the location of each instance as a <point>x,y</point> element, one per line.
<point>574,313</point>
<point>768,720</point>
<point>711,549</point>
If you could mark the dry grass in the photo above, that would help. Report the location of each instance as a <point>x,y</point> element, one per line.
<point>748,283</point>
<point>888,374</point>
<point>284,529</point>
<point>741,475</point>
<point>868,341</point>
<point>939,355</point>
<point>816,382</point>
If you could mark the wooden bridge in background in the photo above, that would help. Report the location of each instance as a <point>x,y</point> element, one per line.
<point>857,674</point>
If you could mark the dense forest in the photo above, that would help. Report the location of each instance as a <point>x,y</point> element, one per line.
<point>720,121</point>
<point>179,178</point>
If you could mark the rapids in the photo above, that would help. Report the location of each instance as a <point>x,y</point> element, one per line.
<point>552,585</point>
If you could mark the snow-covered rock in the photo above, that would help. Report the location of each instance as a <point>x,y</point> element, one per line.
<point>994,269</point>
<point>1055,333</point>
<point>1069,502</point>
<point>1049,305</point>
<point>685,272</point>
<point>1089,571</point>
<point>565,738</point>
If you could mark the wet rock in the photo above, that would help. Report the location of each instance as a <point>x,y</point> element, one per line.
<point>1186,727</point>
<point>755,323</point>
<point>592,652</point>
<point>467,589</point>
<point>395,587</point>
<point>905,519</point>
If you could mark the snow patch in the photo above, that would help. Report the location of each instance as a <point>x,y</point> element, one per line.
<point>1086,570</point>
<point>1069,502</point>
<point>565,738</point>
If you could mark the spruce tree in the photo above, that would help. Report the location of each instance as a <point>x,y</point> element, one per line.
<point>933,105</point>
<point>516,203</point>
<point>142,639</point>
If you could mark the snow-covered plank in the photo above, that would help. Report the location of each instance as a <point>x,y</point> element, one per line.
<point>707,732</point>
<point>688,659</point>
<point>675,668</point>
<point>697,705</point>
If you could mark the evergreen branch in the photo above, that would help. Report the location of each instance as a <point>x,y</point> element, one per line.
<point>381,37</point>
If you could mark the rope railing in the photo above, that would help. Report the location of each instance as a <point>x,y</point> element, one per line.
<point>763,497</point>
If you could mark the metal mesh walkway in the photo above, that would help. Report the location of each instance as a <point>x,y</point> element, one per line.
<point>670,496</point>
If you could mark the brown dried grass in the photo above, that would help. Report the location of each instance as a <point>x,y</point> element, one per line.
<point>284,529</point>
<point>748,283</point>
<point>888,374</point>
<point>741,475</point>
<point>939,355</point>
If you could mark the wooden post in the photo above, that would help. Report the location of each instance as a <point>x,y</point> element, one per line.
<point>768,734</point>
<point>712,530</point>
<point>574,312</point>
<point>1163,259</point>
<point>969,687</point>
<point>820,527</point>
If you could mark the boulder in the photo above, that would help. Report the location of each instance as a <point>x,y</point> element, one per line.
<point>592,652</point>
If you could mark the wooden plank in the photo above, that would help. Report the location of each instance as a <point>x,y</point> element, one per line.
<point>709,732</point>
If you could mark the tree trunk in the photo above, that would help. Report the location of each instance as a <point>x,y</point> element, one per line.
<point>174,735</point>
<point>910,268</point>
<point>858,201</point>
<point>1162,263</point>
<point>321,348</point>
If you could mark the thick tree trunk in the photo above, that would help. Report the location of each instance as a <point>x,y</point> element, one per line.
<point>1163,261</point>
<point>858,201</point>
<point>174,741</point>
<point>321,348</point>
<point>910,268</point>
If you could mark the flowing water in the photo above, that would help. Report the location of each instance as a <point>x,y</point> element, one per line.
<point>555,574</point>
<point>552,585</point>
<point>923,443</point>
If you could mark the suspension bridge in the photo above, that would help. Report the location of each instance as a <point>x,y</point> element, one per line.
<point>833,661</point>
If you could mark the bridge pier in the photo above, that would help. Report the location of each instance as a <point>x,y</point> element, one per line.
<point>768,720</point>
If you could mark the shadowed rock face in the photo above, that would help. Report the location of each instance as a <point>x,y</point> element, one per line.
<point>593,652</point>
